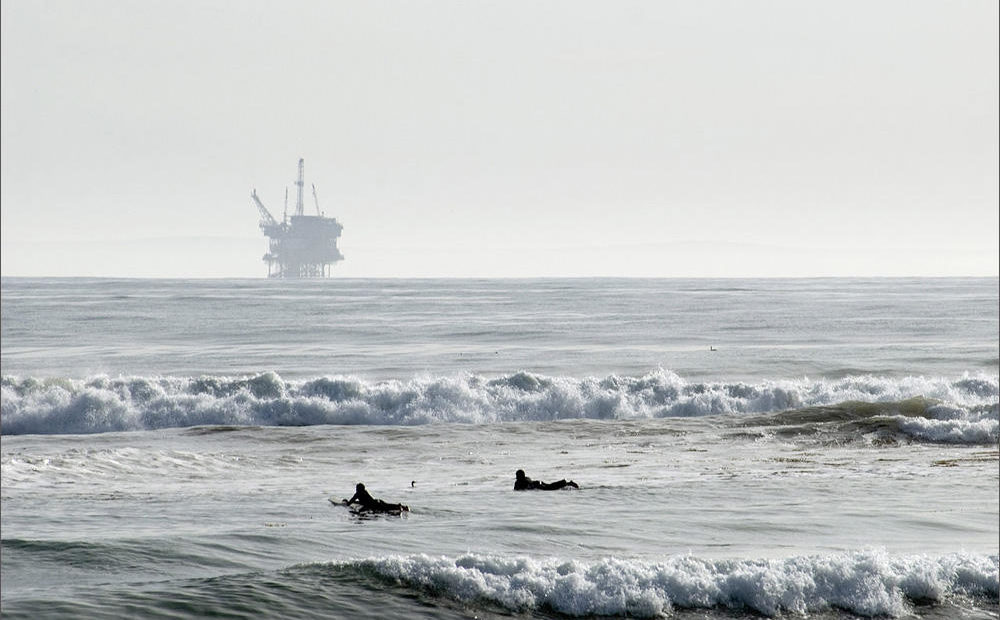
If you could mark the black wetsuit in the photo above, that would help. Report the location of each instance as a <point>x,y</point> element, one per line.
<point>370,503</point>
<point>527,484</point>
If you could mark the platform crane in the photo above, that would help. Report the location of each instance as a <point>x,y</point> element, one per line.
<point>266,219</point>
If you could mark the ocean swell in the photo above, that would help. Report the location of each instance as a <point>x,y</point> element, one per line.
<point>962,410</point>
<point>867,583</point>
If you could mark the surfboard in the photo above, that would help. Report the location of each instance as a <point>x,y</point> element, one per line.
<point>360,512</point>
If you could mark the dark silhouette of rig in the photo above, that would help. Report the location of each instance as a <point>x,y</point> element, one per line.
<point>300,246</point>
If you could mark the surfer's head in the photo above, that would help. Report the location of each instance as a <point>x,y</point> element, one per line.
<point>360,487</point>
<point>519,474</point>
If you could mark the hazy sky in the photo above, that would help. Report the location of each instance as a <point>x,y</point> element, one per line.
<point>465,138</point>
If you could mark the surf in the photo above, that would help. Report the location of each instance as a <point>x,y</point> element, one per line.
<point>868,583</point>
<point>960,409</point>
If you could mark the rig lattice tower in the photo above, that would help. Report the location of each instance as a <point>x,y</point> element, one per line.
<point>300,246</point>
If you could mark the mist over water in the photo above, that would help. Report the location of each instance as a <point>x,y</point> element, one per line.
<point>793,448</point>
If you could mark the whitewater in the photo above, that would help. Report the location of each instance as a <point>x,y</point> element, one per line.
<point>820,448</point>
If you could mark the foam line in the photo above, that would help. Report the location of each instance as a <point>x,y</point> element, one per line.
<point>867,583</point>
<point>962,410</point>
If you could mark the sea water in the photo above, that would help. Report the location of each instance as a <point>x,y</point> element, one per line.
<point>789,448</point>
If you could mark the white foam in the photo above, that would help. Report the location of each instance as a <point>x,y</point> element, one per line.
<point>951,431</point>
<point>868,583</point>
<point>102,404</point>
<point>950,424</point>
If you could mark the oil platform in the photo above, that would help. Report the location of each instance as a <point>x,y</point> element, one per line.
<point>300,246</point>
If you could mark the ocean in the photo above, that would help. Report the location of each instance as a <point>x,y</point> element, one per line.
<point>803,448</point>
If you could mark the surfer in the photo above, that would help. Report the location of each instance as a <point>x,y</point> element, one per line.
<point>369,503</point>
<point>524,483</point>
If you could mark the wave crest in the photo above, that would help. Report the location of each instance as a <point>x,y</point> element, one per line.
<point>963,410</point>
<point>866,583</point>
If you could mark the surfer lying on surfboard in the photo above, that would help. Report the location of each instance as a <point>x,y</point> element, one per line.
<point>369,503</point>
<point>524,483</point>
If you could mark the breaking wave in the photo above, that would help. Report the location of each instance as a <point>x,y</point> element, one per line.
<point>917,419</point>
<point>963,410</point>
<point>867,583</point>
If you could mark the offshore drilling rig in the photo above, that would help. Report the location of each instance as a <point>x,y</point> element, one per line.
<point>300,246</point>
